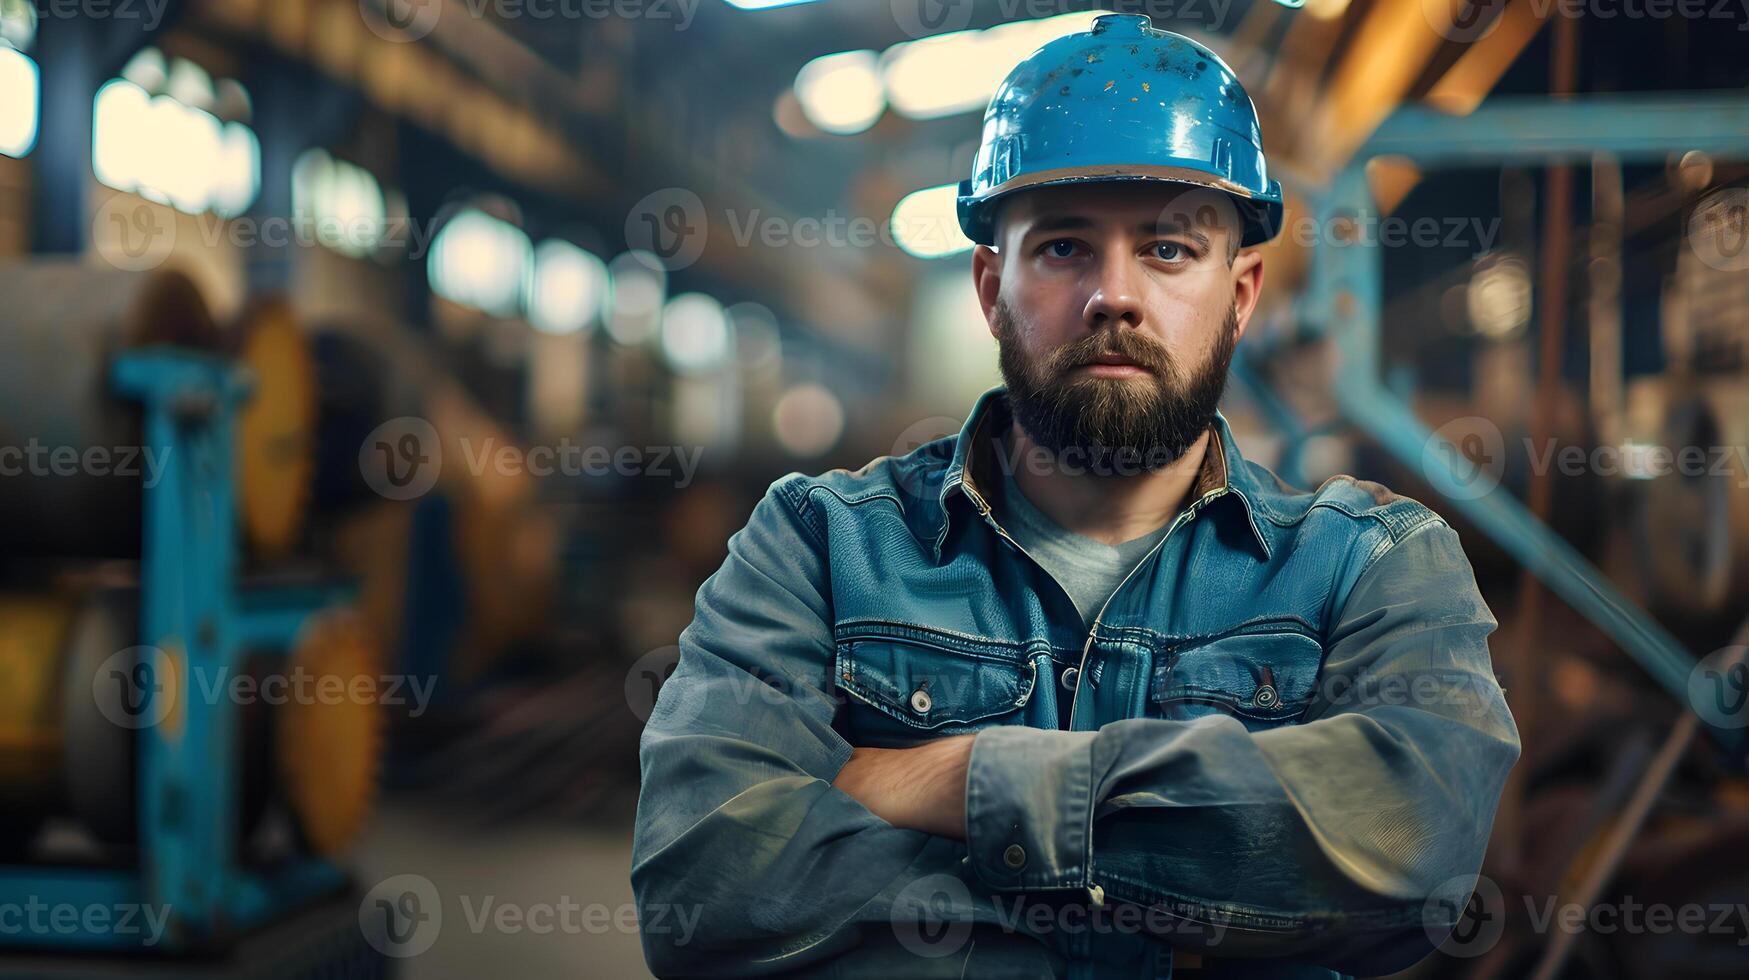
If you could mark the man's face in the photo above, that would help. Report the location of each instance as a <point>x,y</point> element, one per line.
<point>1116,308</point>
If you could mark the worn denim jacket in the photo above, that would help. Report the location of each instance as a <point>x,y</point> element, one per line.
<point>1279,747</point>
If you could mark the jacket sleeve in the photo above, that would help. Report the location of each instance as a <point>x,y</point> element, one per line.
<point>743,851</point>
<point>1350,840</point>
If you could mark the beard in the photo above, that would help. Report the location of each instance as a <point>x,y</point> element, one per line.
<point>1119,426</point>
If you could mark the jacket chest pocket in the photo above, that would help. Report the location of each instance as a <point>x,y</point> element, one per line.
<point>1262,678</point>
<point>904,690</point>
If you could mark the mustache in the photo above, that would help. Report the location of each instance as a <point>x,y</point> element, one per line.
<point>1113,343</point>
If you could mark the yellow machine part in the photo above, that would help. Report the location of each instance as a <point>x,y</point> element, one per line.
<point>327,746</point>
<point>33,637</point>
<point>276,430</point>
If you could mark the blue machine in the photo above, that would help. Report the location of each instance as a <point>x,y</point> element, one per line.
<point>1344,299</point>
<point>196,617</point>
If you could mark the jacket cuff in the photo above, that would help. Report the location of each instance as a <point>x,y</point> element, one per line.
<point>1029,806</point>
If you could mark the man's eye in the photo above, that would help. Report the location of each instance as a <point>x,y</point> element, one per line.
<point>1062,248</point>
<point>1170,252</point>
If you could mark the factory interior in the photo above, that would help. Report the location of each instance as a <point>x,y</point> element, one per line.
<point>380,380</point>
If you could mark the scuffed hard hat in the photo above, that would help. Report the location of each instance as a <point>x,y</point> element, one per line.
<point>1123,101</point>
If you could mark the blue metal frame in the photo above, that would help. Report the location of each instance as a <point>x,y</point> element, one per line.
<point>1345,295</point>
<point>192,610</point>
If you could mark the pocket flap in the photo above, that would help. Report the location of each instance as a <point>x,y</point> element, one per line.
<point>928,686</point>
<point>1267,676</point>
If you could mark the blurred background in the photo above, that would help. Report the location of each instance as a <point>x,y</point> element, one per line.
<point>379,379</point>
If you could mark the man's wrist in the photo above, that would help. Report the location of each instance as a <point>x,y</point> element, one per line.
<point>918,788</point>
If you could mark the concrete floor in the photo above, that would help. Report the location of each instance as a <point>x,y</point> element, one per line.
<point>530,901</point>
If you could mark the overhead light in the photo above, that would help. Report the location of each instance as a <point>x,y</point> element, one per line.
<point>639,282</point>
<point>959,72</point>
<point>926,223</point>
<point>570,287</point>
<point>841,93</point>
<point>480,261</point>
<point>696,336</point>
<point>808,419</point>
<point>171,152</point>
<point>19,84</point>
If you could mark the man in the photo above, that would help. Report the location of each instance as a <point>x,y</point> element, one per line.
<point>1081,690</point>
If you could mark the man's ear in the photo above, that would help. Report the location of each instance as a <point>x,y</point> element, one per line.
<point>987,280</point>
<point>1247,286</point>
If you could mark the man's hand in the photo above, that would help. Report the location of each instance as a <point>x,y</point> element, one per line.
<point>919,788</point>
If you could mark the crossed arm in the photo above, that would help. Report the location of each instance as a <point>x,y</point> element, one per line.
<point>919,788</point>
<point>783,839</point>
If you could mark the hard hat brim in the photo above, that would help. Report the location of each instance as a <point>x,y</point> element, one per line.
<point>1261,214</point>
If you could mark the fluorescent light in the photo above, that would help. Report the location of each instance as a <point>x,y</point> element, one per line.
<point>696,335</point>
<point>570,285</point>
<point>841,93</point>
<point>926,223</point>
<point>19,85</point>
<point>959,72</point>
<point>480,261</point>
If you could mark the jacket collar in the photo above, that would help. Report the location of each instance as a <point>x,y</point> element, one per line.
<point>1224,471</point>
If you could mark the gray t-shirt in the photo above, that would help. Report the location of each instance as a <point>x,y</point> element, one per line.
<point>1088,569</point>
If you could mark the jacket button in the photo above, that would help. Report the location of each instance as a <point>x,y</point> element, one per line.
<point>921,701</point>
<point>1014,856</point>
<point>1266,696</point>
<point>1071,677</point>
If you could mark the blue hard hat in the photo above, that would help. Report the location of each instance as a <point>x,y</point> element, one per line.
<point>1122,102</point>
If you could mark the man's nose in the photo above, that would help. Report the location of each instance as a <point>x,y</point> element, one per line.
<point>1115,301</point>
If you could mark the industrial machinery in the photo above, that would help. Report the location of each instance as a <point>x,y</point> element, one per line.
<point>1682,568</point>
<point>144,762</point>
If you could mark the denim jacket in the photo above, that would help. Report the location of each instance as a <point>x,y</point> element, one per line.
<point>1279,747</point>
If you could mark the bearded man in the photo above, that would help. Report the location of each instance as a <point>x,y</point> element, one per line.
<point>1081,691</point>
